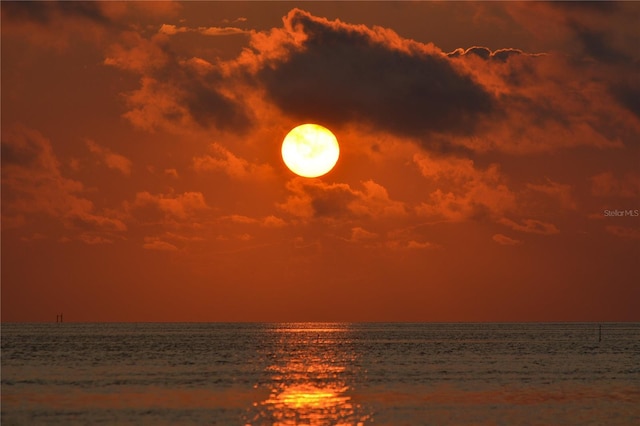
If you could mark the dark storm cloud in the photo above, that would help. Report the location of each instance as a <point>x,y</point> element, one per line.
<point>343,72</point>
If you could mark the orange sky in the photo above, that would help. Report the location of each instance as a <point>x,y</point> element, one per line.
<point>489,168</point>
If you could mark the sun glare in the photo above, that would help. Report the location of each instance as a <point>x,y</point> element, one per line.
<point>310,150</point>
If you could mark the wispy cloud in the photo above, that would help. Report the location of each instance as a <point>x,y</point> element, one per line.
<point>607,184</point>
<point>111,159</point>
<point>461,190</point>
<point>174,206</point>
<point>561,192</point>
<point>505,241</point>
<point>34,184</point>
<point>221,159</point>
<point>155,243</point>
<point>311,199</point>
<point>169,29</point>
<point>531,226</point>
<point>624,232</point>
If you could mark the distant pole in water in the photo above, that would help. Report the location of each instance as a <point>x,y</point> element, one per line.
<point>61,317</point>
<point>57,318</point>
<point>600,333</point>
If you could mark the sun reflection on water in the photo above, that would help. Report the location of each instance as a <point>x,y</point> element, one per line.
<point>311,378</point>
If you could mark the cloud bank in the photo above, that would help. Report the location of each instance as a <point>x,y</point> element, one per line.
<point>335,72</point>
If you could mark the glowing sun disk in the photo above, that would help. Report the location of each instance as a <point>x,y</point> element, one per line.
<point>310,150</point>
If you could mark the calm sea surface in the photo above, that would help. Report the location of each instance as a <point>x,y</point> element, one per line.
<point>320,374</point>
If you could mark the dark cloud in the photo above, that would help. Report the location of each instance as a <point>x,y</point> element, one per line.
<point>331,203</point>
<point>209,107</point>
<point>45,12</point>
<point>316,199</point>
<point>22,154</point>
<point>597,45</point>
<point>39,12</point>
<point>591,6</point>
<point>628,96</point>
<point>345,72</point>
<point>610,42</point>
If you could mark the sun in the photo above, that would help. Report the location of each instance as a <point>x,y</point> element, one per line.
<point>310,150</point>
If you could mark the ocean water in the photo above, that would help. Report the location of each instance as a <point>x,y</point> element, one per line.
<point>320,374</point>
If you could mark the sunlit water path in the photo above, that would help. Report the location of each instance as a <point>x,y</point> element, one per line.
<point>321,374</point>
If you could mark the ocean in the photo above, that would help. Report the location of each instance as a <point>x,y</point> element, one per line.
<point>320,374</point>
